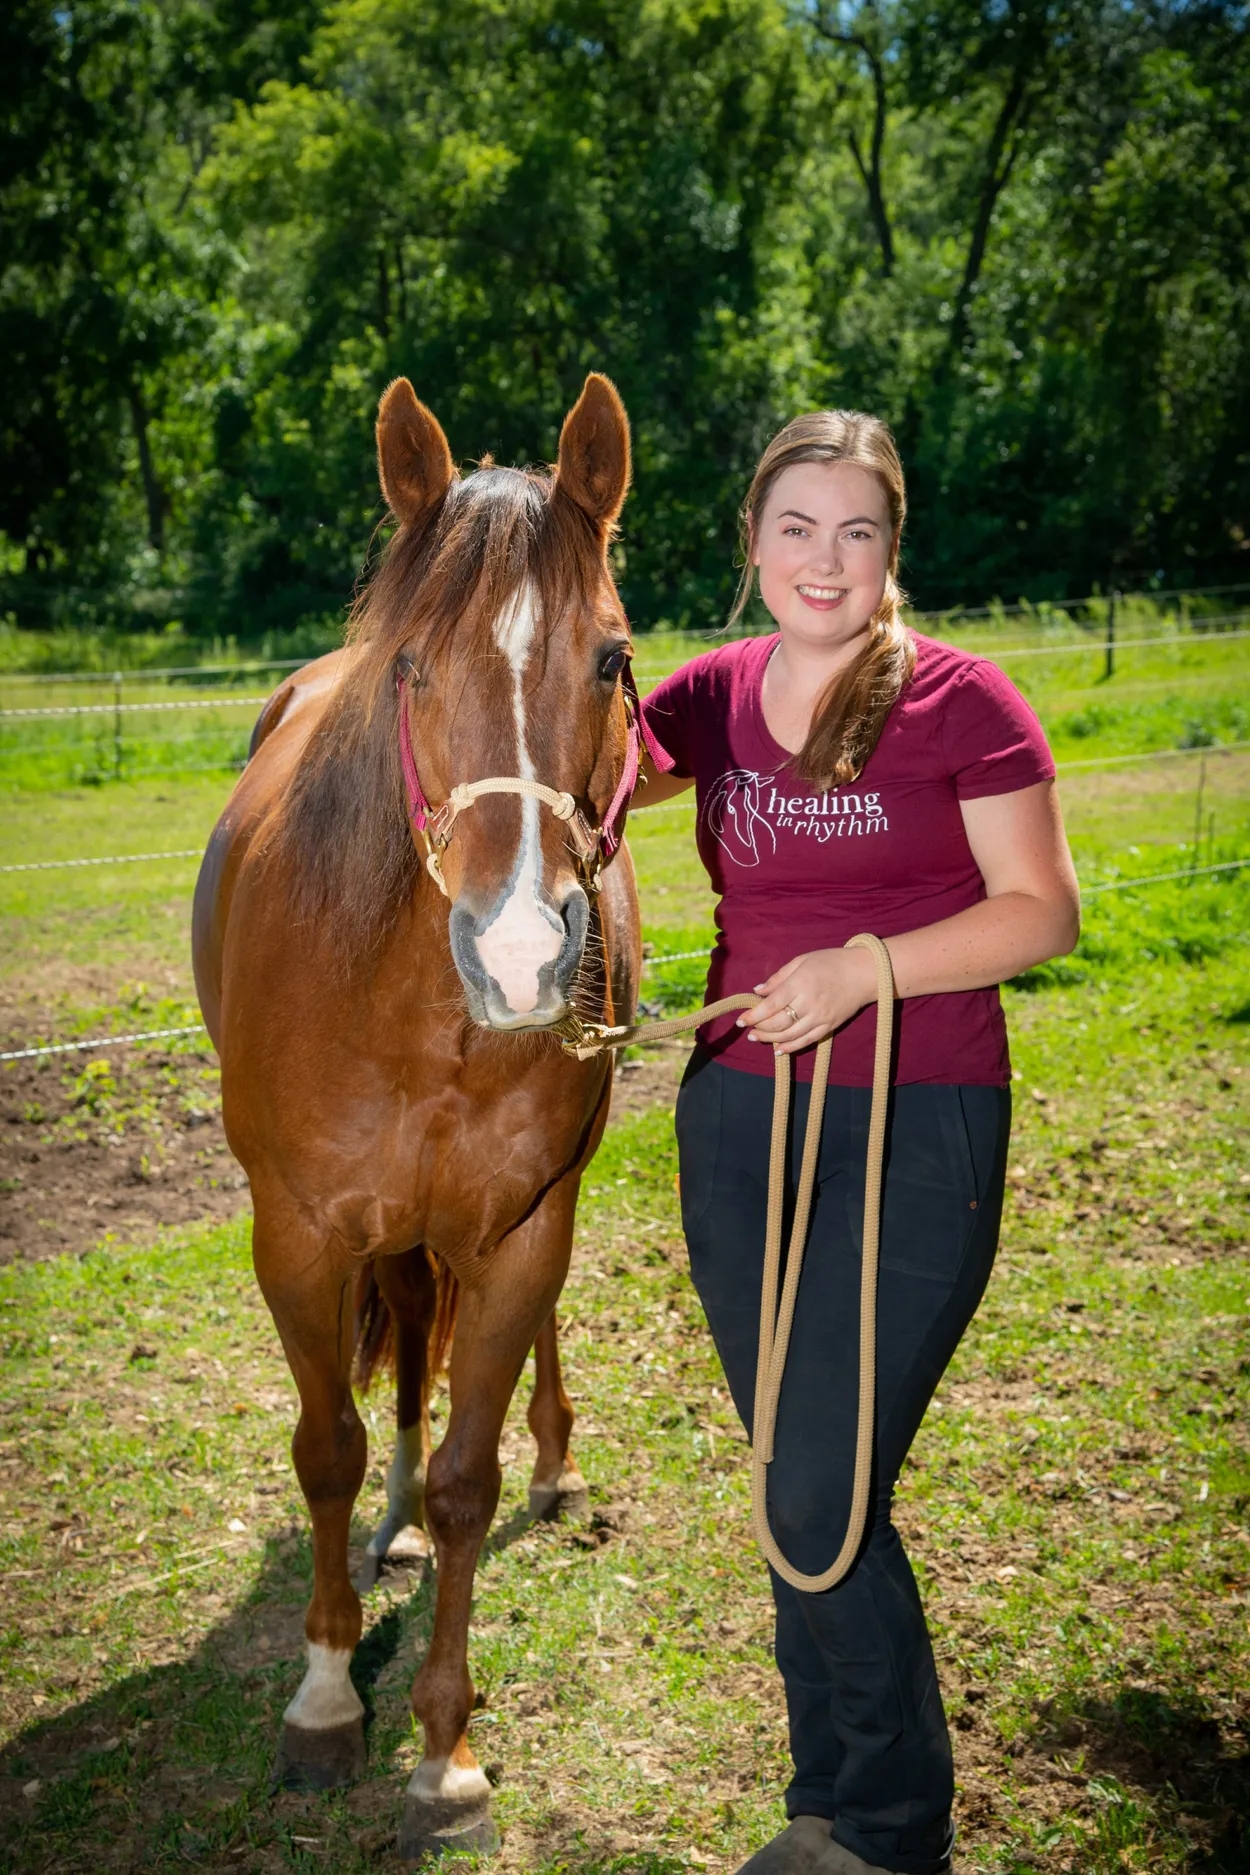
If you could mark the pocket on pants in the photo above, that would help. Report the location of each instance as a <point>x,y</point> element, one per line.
<point>698,1124</point>
<point>931,1188</point>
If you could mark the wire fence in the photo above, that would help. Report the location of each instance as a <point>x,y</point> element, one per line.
<point>1210,626</point>
<point>1044,611</point>
<point>102,1041</point>
<point>1157,878</point>
<point>660,807</point>
<point>136,709</point>
<point>1088,647</point>
<point>107,859</point>
<point>648,963</point>
<point>64,749</point>
<point>156,673</point>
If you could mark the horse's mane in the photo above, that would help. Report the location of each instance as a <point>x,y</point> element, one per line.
<point>340,831</point>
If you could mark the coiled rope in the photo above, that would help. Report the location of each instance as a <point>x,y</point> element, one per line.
<point>776,1320</point>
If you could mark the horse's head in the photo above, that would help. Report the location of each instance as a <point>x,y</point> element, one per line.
<point>512,667</point>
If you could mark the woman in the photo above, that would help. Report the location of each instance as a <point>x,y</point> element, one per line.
<point>855,776</point>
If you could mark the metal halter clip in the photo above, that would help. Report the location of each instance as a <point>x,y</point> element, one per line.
<point>585,1040</point>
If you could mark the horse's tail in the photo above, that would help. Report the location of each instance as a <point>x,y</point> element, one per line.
<point>375,1327</point>
<point>443,1324</point>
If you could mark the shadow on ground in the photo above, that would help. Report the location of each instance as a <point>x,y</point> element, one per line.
<point>1173,1752</point>
<point>172,1766</point>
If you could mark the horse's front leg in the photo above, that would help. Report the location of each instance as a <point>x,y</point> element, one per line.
<point>557,1488</point>
<point>501,1312</point>
<point>309,1289</point>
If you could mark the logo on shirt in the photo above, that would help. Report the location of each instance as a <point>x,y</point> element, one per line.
<point>732,812</point>
<point>745,811</point>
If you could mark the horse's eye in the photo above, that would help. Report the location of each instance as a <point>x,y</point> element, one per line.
<point>613,664</point>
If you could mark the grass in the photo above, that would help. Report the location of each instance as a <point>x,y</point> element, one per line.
<point>1077,1503</point>
<point>36,654</point>
<point>74,929</point>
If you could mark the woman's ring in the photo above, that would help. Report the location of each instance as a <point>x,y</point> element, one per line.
<point>793,1013</point>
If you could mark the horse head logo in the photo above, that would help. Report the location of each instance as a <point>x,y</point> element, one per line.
<point>732,814</point>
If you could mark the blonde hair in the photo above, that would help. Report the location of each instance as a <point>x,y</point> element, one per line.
<point>848,720</point>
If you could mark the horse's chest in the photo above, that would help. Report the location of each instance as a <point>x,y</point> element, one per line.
<point>452,1174</point>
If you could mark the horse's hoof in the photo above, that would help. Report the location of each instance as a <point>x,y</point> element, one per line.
<point>407,1549</point>
<point>568,1497</point>
<point>329,1758</point>
<point>434,1826</point>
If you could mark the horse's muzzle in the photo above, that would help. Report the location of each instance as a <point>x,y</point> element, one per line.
<point>520,988</point>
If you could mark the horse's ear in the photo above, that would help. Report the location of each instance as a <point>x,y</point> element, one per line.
<point>414,463</point>
<point>592,468</point>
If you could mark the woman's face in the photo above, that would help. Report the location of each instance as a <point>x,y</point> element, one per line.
<point>823,544</point>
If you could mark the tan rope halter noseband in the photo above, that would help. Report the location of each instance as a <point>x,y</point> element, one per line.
<point>434,826</point>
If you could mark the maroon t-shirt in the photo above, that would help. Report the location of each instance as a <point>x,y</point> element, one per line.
<point>800,868</point>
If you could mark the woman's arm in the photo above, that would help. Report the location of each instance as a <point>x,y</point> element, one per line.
<point>1032,912</point>
<point>653,787</point>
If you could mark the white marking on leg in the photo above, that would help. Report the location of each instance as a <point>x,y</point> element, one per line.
<point>405,1490</point>
<point>326,1696</point>
<point>442,1780</point>
<point>525,933</point>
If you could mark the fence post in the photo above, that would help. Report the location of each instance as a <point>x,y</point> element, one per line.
<point>1112,602</point>
<point>1196,853</point>
<point>117,725</point>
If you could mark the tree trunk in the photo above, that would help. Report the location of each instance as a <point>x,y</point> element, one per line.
<point>1012,116</point>
<point>153,493</point>
<point>870,171</point>
<point>871,174</point>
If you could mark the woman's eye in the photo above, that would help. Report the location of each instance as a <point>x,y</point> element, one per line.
<point>612,665</point>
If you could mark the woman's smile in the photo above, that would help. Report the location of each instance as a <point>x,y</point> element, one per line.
<point>822,598</point>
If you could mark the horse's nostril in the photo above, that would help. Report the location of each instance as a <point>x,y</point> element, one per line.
<point>575,915</point>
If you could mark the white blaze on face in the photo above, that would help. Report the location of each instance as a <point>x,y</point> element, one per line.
<point>525,933</point>
<point>326,1696</point>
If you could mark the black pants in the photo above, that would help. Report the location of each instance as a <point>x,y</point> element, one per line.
<point>867,1730</point>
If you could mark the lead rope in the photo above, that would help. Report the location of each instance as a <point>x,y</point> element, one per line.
<point>776,1323</point>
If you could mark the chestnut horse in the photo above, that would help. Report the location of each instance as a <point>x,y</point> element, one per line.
<point>410,1127</point>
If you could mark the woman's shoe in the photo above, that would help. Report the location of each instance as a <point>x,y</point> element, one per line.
<point>839,1860</point>
<point>801,1849</point>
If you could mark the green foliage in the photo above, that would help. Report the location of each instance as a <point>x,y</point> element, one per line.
<point>1018,232</point>
<point>1190,921</point>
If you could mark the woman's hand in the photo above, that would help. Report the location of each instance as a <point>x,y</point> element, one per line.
<point>809,998</point>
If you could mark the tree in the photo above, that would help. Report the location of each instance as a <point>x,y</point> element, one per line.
<point>870,37</point>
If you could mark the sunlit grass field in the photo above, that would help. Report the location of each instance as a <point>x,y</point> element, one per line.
<point>1077,1504</point>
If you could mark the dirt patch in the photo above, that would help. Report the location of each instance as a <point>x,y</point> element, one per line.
<point>115,1143</point>
<point>37,989</point>
<point>121,1143</point>
<point>651,1081</point>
